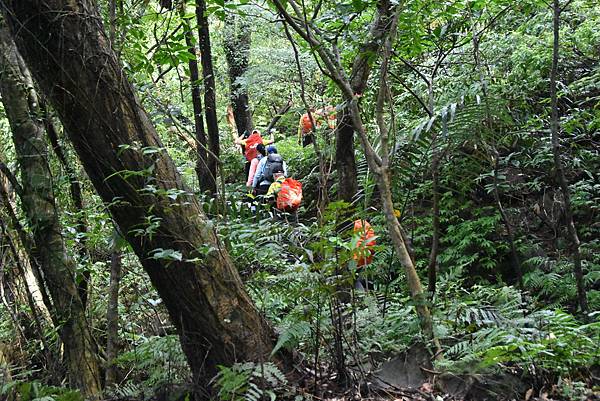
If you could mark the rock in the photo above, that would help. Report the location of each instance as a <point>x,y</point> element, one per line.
<point>403,371</point>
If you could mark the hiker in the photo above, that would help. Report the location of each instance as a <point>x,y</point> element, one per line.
<point>249,145</point>
<point>305,127</point>
<point>261,152</point>
<point>365,241</point>
<point>267,167</point>
<point>273,191</point>
<point>286,196</point>
<point>363,251</point>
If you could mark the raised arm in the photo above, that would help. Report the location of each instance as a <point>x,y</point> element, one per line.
<point>239,140</point>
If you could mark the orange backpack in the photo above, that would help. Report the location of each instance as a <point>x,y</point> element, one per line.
<point>307,124</point>
<point>363,253</point>
<point>290,195</point>
<point>251,143</point>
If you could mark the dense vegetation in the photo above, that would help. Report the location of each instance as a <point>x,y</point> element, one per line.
<point>133,268</point>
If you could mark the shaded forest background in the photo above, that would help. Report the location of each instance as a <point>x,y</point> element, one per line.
<point>468,135</point>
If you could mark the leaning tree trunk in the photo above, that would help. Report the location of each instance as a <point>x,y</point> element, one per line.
<point>21,263</point>
<point>70,56</point>
<point>210,101</point>
<point>236,41</point>
<point>21,105</point>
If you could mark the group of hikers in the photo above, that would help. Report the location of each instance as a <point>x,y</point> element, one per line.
<point>267,177</point>
<point>267,173</point>
<point>265,169</point>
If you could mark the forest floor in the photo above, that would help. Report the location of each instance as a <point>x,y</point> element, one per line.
<point>409,377</point>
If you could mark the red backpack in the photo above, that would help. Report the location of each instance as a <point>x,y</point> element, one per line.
<point>363,253</point>
<point>290,195</point>
<point>251,143</point>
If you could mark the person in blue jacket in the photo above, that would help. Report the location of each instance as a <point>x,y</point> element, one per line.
<point>267,167</point>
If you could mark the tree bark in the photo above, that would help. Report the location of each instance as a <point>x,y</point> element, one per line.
<point>237,40</point>
<point>22,245</point>
<point>202,170</point>
<point>358,80</point>
<point>344,157</point>
<point>83,282</point>
<point>558,165</point>
<point>435,216</point>
<point>21,105</point>
<point>69,55</point>
<point>112,315</point>
<point>24,271</point>
<point>27,244</point>
<point>112,18</point>
<point>210,101</point>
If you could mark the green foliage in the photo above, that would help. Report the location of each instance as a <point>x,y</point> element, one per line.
<point>557,342</point>
<point>25,390</point>
<point>295,273</point>
<point>553,282</point>
<point>154,362</point>
<point>291,335</point>
<point>491,329</point>
<point>249,382</point>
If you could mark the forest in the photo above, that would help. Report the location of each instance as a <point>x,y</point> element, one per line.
<point>305,200</point>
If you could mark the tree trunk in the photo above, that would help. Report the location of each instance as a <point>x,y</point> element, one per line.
<point>435,216</point>
<point>509,228</point>
<point>559,168</point>
<point>194,275</point>
<point>280,113</point>
<point>83,282</point>
<point>412,278</point>
<point>112,18</point>
<point>202,170</point>
<point>22,248</point>
<point>21,104</point>
<point>210,101</point>
<point>21,262</point>
<point>380,166</point>
<point>495,156</point>
<point>361,70</point>
<point>344,157</point>
<point>27,250</point>
<point>237,39</point>
<point>112,315</point>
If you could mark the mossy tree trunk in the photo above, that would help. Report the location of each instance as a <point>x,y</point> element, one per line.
<point>22,109</point>
<point>210,99</point>
<point>237,34</point>
<point>69,54</point>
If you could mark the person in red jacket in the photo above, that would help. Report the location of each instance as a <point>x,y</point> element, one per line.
<point>249,145</point>
<point>320,116</point>
<point>363,251</point>
<point>305,128</point>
